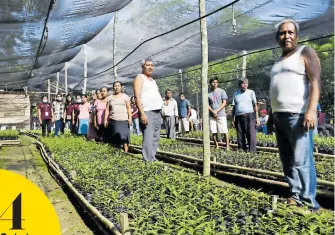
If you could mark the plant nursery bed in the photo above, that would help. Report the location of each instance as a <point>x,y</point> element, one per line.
<point>159,200</point>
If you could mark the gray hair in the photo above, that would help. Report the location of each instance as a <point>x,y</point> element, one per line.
<point>145,60</point>
<point>241,80</point>
<point>296,25</point>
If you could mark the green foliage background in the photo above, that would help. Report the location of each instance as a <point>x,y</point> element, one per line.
<point>258,69</point>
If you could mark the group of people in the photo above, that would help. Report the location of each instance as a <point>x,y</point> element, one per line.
<point>106,118</point>
<point>294,92</point>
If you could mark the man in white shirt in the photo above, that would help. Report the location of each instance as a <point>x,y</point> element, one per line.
<point>193,119</point>
<point>170,114</point>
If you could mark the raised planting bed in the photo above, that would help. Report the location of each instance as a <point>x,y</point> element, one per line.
<point>258,161</point>
<point>322,144</point>
<point>9,135</point>
<point>161,200</point>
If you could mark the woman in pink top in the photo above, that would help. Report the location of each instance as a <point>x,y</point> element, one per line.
<point>100,108</point>
<point>118,118</point>
<point>84,116</point>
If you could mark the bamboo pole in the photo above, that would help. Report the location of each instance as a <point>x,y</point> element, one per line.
<point>244,64</point>
<point>49,90</point>
<point>57,83</point>
<point>221,172</point>
<point>124,223</point>
<point>181,80</point>
<point>10,142</point>
<point>65,77</point>
<point>80,197</point>
<point>234,167</point>
<point>274,202</point>
<point>85,70</point>
<point>204,87</point>
<point>267,149</point>
<point>114,46</point>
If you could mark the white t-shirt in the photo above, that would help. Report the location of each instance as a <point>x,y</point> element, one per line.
<point>150,96</point>
<point>263,120</point>
<point>193,114</point>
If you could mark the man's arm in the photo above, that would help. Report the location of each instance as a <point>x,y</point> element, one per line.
<point>39,115</point>
<point>255,107</point>
<point>129,112</point>
<point>176,109</point>
<point>233,116</point>
<point>188,111</point>
<point>138,85</point>
<point>312,65</point>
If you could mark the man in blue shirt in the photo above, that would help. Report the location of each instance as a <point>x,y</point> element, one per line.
<point>244,111</point>
<point>184,108</point>
<point>217,99</point>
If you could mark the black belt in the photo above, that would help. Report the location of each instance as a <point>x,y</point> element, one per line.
<point>244,114</point>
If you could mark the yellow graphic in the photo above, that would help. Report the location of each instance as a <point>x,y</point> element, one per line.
<point>24,209</point>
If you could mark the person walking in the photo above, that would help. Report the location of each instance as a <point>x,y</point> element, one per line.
<point>134,115</point>
<point>184,114</point>
<point>170,114</point>
<point>149,103</point>
<point>294,94</point>
<point>244,112</point>
<point>45,115</point>
<point>217,100</point>
<point>118,118</point>
<point>58,111</point>
<point>68,114</point>
<point>84,116</point>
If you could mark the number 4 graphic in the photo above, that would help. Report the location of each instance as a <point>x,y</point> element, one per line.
<point>17,213</point>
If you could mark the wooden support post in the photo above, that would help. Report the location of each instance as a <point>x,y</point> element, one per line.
<point>49,90</point>
<point>244,64</point>
<point>85,71</point>
<point>204,87</point>
<point>181,80</point>
<point>65,77</point>
<point>124,223</point>
<point>274,202</point>
<point>57,83</point>
<point>114,46</point>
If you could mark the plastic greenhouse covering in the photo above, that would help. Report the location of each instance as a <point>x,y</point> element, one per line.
<point>39,37</point>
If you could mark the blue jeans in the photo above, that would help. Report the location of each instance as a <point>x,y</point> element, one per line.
<point>58,126</point>
<point>296,153</point>
<point>136,124</point>
<point>69,124</point>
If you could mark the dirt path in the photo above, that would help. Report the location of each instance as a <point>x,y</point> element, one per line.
<point>26,161</point>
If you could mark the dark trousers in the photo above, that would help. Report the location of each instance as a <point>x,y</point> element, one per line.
<point>59,126</point>
<point>46,125</point>
<point>245,125</point>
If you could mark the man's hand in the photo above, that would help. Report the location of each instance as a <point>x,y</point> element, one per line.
<point>53,120</point>
<point>130,121</point>
<point>233,122</point>
<point>144,119</point>
<point>40,121</point>
<point>105,123</point>
<point>310,120</point>
<point>257,122</point>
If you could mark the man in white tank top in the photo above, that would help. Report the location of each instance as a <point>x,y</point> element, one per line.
<point>149,103</point>
<point>294,92</point>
